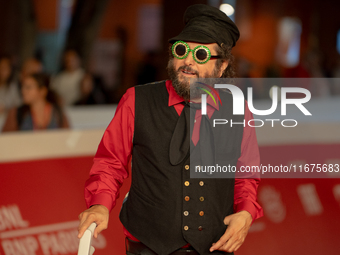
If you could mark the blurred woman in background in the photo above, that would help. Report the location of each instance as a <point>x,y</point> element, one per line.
<point>9,90</point>
<point>40,110</point>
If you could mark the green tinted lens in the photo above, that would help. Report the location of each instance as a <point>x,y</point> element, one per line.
<point>180,50</point>
<point>202,54</point>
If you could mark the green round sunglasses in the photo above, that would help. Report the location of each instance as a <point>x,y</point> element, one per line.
<point>200,53</point>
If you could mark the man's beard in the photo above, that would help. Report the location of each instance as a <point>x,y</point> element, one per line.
<point>183,88</point>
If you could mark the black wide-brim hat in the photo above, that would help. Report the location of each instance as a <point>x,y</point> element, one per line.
<point>207,24</point>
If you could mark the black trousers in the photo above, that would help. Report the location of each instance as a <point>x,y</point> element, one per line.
<point>138,248</point>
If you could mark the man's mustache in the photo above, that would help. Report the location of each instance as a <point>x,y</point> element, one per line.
<point>187,69</point>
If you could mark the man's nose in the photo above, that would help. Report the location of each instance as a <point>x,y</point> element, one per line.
<point>189,60</point>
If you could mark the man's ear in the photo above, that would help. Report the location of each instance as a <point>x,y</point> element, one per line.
<point>223,67</point>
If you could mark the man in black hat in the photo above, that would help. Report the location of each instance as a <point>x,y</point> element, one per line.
<point>166,211</point>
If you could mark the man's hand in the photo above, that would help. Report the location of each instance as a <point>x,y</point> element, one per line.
<point>238,226</point>
<point>98,214</point>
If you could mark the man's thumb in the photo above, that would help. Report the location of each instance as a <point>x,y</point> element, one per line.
<point>227,220</point>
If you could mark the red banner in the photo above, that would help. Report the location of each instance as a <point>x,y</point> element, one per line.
<point>41,199</point>
<point>40,203</point>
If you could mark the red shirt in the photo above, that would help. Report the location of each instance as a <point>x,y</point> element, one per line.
<point>111,161</point>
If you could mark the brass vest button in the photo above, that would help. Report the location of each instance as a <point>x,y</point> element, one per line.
<point>201,199</point>
<point>201,183</point>
<point>186,167</point>
<point>186,183</point>
<point>187,198</point>
<point>186,213</point>
<point>200,228</point>
<point>186,228</point>
<point>201,213</point>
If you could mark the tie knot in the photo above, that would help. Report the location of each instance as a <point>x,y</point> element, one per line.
<point>195,105</point>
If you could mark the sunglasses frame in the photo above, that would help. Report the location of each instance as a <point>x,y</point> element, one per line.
<point>209,56</point>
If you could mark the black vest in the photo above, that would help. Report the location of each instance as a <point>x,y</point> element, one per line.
<point>165,208</point>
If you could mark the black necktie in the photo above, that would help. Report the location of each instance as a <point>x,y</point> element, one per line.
<point>180,141</point>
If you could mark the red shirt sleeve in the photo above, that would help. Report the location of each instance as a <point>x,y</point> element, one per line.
<point>111,161</point>
<point>245,191</point>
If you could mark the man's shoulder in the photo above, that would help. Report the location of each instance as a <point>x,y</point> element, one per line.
<point>150,85</point>
<point>140,91</point>
<point>149,89</point>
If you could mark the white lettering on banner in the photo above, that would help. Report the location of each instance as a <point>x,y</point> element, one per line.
<point>62,242</point>
<point>58,238</point>
<point>310,199</point>
<point>10,217</point>
<point>257,227</point>
<point>336,192</point>
<point>26,246</point>
<point>58,243</point>
<point>272,203</point>
<point>65,242</point>
<point>40,229</point>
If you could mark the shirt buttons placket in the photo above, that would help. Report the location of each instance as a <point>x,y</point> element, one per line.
<point>201,213</point>
<point>186,197</point>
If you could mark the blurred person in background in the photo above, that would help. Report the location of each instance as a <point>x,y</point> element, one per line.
<point>336,74</point>
<point>92,90</point>
<point>312,61</point>
<point>31,66</point>
<point>148,69</point>
<point>9,91</point>
<point>40,109</point>
<point>67,83</point>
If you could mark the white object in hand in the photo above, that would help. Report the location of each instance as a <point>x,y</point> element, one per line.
<point>85,247</point>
